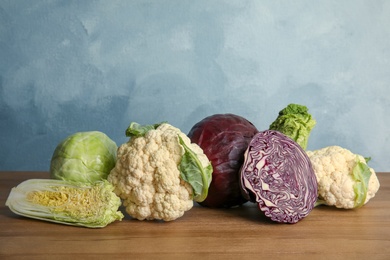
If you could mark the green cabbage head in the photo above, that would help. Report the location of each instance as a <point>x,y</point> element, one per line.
<point>83,157</point>
<point>295,122</point>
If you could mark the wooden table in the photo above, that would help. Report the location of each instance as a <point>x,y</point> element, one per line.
<point>203,233</point>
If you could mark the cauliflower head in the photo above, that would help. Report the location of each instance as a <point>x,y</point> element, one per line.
<point>337,170</point>
<point>147,175</point>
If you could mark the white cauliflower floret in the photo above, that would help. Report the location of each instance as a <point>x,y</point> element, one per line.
<point>147,178</point>
<point>333,167</point>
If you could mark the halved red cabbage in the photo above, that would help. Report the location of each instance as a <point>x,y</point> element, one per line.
<point>224,139</point>
<point>278,175</point>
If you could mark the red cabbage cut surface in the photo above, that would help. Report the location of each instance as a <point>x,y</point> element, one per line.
<point>224,139</point>
<point>278,175</point>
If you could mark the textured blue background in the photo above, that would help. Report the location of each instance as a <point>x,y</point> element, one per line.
<point>69,66</point>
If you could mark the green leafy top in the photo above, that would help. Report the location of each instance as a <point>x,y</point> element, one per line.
<point>138,130</point>
<point>295,122</point>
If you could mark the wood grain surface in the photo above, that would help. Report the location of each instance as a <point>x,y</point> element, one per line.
<point>203,233</point>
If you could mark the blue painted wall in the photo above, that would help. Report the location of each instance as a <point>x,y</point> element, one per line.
<point>69,66</point>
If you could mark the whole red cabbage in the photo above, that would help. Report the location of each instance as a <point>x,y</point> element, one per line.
<point>224,139</point>
<point>278,175</point>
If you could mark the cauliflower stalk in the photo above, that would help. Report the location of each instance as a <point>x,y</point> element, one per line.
<point>159,172</point>
<point>344,178</point>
